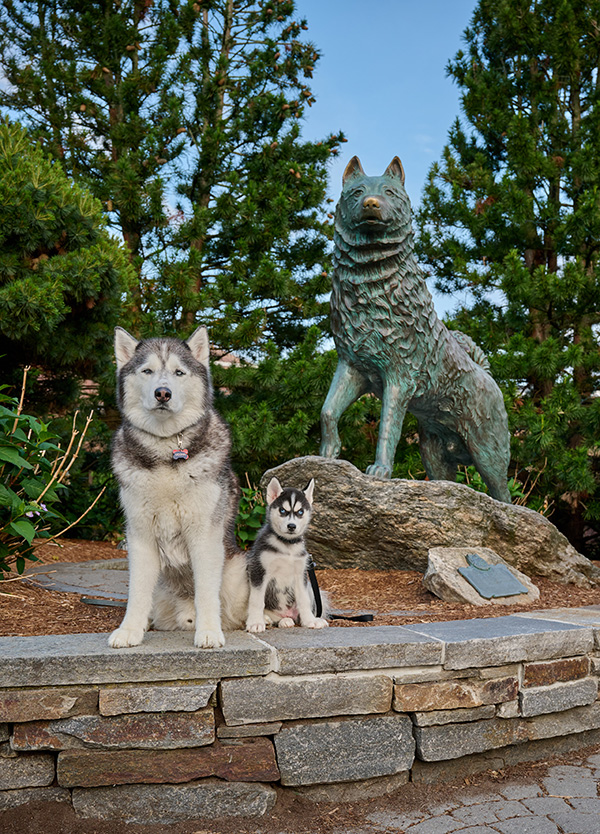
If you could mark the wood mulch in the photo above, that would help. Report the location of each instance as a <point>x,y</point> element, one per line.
<point>397,597</point>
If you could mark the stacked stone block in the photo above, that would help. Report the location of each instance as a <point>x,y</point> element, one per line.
<point>165,732</point>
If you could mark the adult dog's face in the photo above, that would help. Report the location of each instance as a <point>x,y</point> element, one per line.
<point>163,384</point>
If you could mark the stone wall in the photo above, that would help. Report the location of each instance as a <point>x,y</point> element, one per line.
<point>165,732</point>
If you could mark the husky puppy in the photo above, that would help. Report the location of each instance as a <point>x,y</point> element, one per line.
<point>277,563</point>
<point>178,491</point>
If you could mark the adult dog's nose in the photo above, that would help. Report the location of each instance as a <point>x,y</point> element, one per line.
<point>163,395</point>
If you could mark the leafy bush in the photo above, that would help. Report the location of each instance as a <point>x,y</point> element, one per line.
<point>251,515</point>
<point>33,469</point>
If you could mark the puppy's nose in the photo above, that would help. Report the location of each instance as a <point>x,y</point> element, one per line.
<point>291,527</point>
<point>163,395</point>
<point>371,203</point>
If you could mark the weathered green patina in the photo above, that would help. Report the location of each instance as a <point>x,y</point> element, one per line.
<point>391,343</point>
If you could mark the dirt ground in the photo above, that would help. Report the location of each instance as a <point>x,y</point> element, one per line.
<point>395,597</point>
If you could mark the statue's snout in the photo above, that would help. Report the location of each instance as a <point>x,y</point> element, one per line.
<point>371,203</point>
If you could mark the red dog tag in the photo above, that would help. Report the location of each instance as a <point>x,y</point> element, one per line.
<point>180,454</point>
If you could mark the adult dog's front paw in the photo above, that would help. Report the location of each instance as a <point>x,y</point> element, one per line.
<point>124,636</point>
<point>255,628</point>
<point>318,622</point>
<point>209,639</point>
<point>379,470</point>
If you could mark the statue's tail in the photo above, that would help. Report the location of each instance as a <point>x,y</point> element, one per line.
<point>474,351</point>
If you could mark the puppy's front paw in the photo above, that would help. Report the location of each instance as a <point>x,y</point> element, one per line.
<point>255,628</point>
<point>124,636</point>
<point>286,622</point>
<point>209,639</point>
<point>318,622</point>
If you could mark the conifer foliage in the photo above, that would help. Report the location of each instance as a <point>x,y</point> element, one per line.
<point>61,274</point>
<point>511,219</point>
<point>183,118</point>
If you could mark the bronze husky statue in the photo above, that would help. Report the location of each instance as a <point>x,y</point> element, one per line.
<point>391,343</point>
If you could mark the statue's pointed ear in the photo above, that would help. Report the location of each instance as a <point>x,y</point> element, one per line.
<point>395,169</point>
<point>353,169</point>
<point>125,345</point>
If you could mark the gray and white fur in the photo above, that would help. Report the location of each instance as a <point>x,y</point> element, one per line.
<point>277,563</point>
<point>178,491</point>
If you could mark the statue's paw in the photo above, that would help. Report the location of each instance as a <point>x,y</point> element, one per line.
<point>124,636</point>
<point>286,622</point>
<point>329,450</point>
<point>379,470</point>
<point>209,639</point>
<point>255,628</point>
<point>318,622</point>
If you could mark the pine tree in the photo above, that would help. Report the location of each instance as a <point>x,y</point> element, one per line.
<point>511,218</point>
<point>61,274</point>
<point>184,120</point>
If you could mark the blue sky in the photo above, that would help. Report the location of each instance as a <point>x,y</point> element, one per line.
<point>381,79</point>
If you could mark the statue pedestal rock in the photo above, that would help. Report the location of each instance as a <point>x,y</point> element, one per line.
<point>445,579</point>
<point>363,522</point>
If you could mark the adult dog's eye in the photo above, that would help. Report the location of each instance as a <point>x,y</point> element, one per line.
<point>179,373</point>
<point>147,371</point>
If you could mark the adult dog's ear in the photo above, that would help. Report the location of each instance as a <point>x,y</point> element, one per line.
<point>125,345</point>
<point>353,169</point>
<point>395,169</point>
<point>199,345</point>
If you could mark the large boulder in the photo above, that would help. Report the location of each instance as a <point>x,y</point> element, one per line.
<point>363,522</point>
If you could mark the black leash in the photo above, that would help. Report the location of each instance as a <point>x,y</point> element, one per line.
<point>358,618</point>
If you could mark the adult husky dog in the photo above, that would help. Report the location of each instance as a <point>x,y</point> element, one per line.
<point>391,343</point>
<point>179,493</point>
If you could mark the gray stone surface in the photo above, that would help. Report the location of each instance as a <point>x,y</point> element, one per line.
<point>564,723</point>
<point>354,791</point>
<point>209,798</point>
<point>37,704</point>
<point>435,825</point>
<point>344,750</point>
<point>558,697</point>
<point>107,578</point>
<point>570,786</point>
<point>508,710</point>
<point>526,825</point>
<point>303,651</point>
<point>443,579</point>
<point>498,640</point>
<point>26,771</point>
<point>174,698</point>
<point>276,698</point>
<point>249,730</point>
<point>452,741</point>
<point>575,822</point>
<point>12,799</point>
<point>4,732</point>
<point>361,521</point>
<point>163,656</point>
<point>453,716</point>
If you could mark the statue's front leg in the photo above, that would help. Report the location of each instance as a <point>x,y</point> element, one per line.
<point>393,408</point>
<point>346,387</point>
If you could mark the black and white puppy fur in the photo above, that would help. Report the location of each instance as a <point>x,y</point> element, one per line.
<point>280,593</point>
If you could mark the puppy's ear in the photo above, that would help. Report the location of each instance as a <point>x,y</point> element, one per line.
<point>308,491</point>
<point>199,345</point>
<point>353,169</point>
<point>274,490</point>
<point>125,345</point>
<point>395,169</point>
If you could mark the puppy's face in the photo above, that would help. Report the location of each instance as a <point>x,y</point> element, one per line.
<point>289,509</point>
